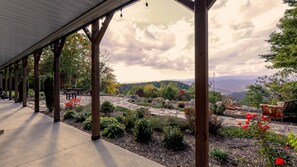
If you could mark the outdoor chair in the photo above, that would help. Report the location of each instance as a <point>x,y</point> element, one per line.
<point>70,95</point>
<point>287,110</point>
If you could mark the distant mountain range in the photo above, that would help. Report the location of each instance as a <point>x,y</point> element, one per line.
<point>229,84</point>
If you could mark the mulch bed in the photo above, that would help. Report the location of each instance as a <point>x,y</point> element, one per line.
<point>241,152</point>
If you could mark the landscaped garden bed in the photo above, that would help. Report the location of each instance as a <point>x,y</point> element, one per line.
<point>145,134</point>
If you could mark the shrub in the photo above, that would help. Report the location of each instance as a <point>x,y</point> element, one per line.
<point>113,131</point>
<point>120,119</point>
<point>142,112</point>
<point>219,154</point>
<point>190,115</point>
<point>31,93</point>
<point>49,93</point>
<point>106,121</point>
<point>159,122</point>
<point>219,110</point>
<point>87,124</point>
<point>107,107</point>
<point>81,116</point>
<point>292,140</point>
<point>143,131</point>
<point>173,138</point>
<point>214,125</point>
<point>139,92</point>
<point>177,122</point>
<point>69,114</point>
<point>130,119</point>
<point>159,99</point>
<point>168,105</point>
<point>79,108</point>
<point>121,109</point>
<point>181,105</point>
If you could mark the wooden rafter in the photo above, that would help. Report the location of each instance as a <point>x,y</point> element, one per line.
<point>97,37</point>
<point>103,29</point>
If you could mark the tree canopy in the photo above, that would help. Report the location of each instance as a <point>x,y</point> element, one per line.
<point>283,51</point>
<point>76,65</point>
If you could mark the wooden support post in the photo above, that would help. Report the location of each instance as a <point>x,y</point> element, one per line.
<point>96,37</point>
<point>5,83</point>
<point>1,81</point>
<point>95,83</point>
<point>25,63</point>
<point>16,82</point>
<point>201,83</point>
<point>10,83</point>
<point>37,55</point>
<point>57,49</point>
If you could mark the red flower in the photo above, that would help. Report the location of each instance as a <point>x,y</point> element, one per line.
<point>68,104</point>
<point>279,161</point>
<point>264,128</point>
<point>244,127</point>
<point>287,147</point>
<point>239,123</point>
<point>247,122</point>
<point>248,116</point>
<point>264,118</point>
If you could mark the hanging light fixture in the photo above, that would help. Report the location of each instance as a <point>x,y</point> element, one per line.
<point>146,4</point>
<point>121,15</point>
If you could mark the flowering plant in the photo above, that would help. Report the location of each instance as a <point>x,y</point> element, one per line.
<point>72,103</point>
<point>258,126</point>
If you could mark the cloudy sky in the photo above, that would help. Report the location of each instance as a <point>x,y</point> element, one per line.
<point>157,43</point>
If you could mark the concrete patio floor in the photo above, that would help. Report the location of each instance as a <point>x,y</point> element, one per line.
<point>32,139</point>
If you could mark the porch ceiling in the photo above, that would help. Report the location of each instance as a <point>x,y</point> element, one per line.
<point>28,25</point>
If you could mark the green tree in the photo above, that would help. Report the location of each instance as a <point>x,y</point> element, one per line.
<point>283,56</point>
<point>150,90</point>
<point>76,65</point>
<point>170,91</point>
<point>256,95</point>
<point>108,81</point>
<point>283,51</point>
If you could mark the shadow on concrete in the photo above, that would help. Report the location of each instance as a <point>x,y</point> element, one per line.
<point>104,153</point>
<point>11,114</point>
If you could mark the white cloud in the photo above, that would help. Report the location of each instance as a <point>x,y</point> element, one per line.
<point>160,39</point>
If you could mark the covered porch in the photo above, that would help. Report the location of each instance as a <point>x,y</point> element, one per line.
<point>31,139</point>
<point>34,138</point>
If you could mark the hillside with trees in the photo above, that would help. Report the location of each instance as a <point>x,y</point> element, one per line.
<point>125,88</point>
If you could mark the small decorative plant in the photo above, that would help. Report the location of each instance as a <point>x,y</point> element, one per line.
<point>292,140</point>
<point>173,138</point>
<point>258,126</point>
<point>143,131</point>
<point>113,131</point>
<point>107,107</point>
<point>87,124</point>
<point>69,114</point>
<point>219,154</point>
<point>181,104</point>
<point>106,121</point>
<point>72,103</point>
